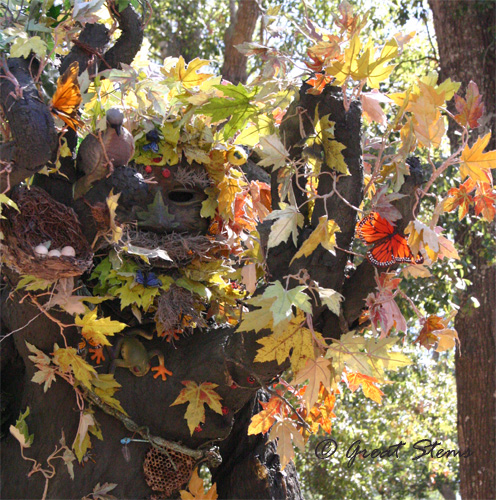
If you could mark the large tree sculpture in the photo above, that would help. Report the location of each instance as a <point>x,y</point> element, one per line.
<point>161,246</point>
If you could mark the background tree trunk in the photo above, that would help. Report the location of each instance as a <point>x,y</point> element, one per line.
<point>243,21</point>
<point>465,32</point>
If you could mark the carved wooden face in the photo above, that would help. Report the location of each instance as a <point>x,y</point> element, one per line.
<point>158,199</point>
<point>175,199</point>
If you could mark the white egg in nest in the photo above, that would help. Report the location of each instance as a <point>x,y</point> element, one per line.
<point>68,251</point>
<point>54,253</point>
<point>41,250</point>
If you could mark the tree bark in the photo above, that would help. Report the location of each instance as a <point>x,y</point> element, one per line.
<point>243,21</point>
<point>466,40</point>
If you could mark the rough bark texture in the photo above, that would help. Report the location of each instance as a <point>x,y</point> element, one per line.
<point>31,124</point>
<point>243,21</point>
<point>465,32</point>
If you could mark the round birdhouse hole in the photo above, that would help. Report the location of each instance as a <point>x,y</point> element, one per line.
<point>160,474</point>
<point>44,238</point>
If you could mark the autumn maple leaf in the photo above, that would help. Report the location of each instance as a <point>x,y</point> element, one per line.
<point>475,163</point>
<point>318,83</point>
<point>263,421</point>
<point>460,198</point>
<point>485,201</point>
<point>197,396</point>
<point>471,108</point>
<point>370,390</point>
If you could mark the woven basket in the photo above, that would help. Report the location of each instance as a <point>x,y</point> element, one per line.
<point>41,218</point>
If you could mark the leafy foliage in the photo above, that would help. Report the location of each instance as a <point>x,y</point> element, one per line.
<point>200,118</point>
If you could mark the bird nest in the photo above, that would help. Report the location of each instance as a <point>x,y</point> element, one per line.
<point>182,248</point>
<point>41,219</point>
<point>166,474</point>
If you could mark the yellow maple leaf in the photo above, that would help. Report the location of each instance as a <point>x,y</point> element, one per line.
<point>188,76</point>
<point>293,339</point>
<point>112,206</point>
<point>324,233</point>
<point>341,70</point>
<point>96,331</point>
<point>68,359</point>
<point>197,396</point>
<point>475,163</point>
<point>374,69</point>
<point>428,123</point>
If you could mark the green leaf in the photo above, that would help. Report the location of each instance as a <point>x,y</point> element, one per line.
<point>194,286</point>
<point>20,430</point>
<point>236,104</point>
<point>22,47</point>
<point>286,223</point>
<point>157,214</point>
<point>32,283</point>
<point>285,300</point>
<point>331,299</point>
<point>5,200</point>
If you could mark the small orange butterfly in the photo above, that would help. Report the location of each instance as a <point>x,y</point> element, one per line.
<point>67,98</point>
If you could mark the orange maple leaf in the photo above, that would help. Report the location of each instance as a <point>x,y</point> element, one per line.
<point>370,390</point>
<point>322,412</point>
<point>263,421</point>
<point>317,64</point>
<point>460,197</point>
<point>435,330</point>
<point>318,83</point>
<point>485,201</point>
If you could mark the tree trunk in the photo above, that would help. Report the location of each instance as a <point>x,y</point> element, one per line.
<point>243,22</point>
<point>465,36</point>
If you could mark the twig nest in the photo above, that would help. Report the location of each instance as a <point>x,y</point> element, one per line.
<point>42,222</point>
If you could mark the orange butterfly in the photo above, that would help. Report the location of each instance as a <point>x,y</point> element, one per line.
<point>67,98</point>
<point>390,247</point>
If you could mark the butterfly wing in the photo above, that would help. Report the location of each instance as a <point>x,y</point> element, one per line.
<point>152,280</point>
<point>140,278</point>
<point>67,97</point>
<point>391,250</point>
<point>148,280</point>
<point>389,246</point>
<point>373,228</point>
<point>152,146</point>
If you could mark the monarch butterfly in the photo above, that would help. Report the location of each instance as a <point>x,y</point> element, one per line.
<point>389,247</point>
<point>148,280</point>
<point>67,97</point>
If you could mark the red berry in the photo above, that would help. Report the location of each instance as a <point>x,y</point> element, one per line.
<point>157,159</point>
<point>166,173</point>
<point>198,428</point>
<point>251,380</point>
<point>234,385</point>
<point>148,169</point>
<point>225,410</point>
